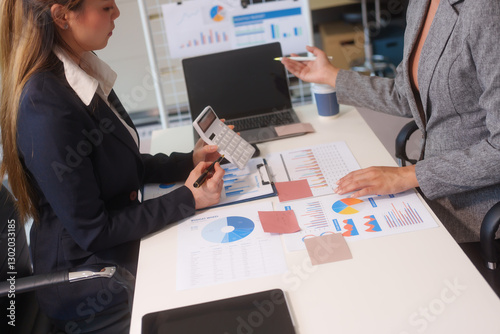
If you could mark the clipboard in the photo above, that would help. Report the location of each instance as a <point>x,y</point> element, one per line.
<point>264,312</point>
<point>252,183</point>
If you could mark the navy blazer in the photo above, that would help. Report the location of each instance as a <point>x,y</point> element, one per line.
<point>86,170</point>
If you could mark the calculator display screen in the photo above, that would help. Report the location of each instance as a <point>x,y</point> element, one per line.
<point>207,120</point>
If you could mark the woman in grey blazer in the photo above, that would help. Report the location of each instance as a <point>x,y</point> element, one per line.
<point>449,82</point>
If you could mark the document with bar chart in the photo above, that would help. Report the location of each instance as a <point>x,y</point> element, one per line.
<point>321,165</point>
<point>252,182</point>
<point>357,218</point>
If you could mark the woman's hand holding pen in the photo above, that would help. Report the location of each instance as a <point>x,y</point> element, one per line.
<point>318,71</point>
<point>209,192</point>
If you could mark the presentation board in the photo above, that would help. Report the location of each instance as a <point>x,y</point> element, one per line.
<point>174,30</point>
<point>197,27</point>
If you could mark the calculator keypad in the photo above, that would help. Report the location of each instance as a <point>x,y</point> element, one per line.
<point>234,148</point>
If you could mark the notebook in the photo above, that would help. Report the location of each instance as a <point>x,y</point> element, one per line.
<point>263,312</point>
<point>242,86</point>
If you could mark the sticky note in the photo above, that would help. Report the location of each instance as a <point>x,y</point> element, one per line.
<point>327,248</point>
<point>292,190</point>
<point>289,129</point>
<point>279,221</point>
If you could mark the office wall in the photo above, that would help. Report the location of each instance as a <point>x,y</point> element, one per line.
<point>126,54</point>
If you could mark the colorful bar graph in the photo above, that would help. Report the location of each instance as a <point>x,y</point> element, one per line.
<point>405,217</point>
<point>292,32</point>
<point>315,216</point>
<point>308,168</point>
<point>208,38</point>
<point>236,183</point>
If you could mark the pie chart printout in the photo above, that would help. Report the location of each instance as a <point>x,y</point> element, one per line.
<point>217,13</point>
<point>347,206</point>
<point>228,229</point>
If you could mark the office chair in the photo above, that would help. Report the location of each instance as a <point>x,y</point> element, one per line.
<point>483,254</point>
<point>17,263</point>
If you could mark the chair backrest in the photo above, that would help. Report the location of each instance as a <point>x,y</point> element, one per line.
<point>400,145</point>
<point>15,262</point>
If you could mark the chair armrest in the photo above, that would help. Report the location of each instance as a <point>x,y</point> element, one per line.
<point>35,282</point>
<point>489,227</point>
<point>401,140</point>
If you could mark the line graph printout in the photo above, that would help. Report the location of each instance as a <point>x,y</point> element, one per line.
<point>357,218</point>
<point>225,245</point>
<point>321,165</point>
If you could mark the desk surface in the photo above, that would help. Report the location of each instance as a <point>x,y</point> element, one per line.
<point>418,282</point>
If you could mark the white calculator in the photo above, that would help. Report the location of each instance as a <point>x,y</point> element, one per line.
<point>213,131</point>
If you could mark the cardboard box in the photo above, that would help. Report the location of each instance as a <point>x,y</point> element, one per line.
<point>343,41</point>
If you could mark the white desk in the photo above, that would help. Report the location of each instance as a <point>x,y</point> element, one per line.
<point>419,282</point>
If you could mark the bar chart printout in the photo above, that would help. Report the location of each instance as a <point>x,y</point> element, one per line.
<point>239,185</point>
<point>320,165</point>
<point>244,184</point>
<point>357,218</point>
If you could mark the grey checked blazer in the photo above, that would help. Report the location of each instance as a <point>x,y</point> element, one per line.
<point>459,81</point>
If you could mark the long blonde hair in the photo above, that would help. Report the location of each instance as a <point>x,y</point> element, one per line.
<point>27,38</point>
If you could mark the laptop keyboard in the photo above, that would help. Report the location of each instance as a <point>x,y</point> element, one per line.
<point>274,119</point>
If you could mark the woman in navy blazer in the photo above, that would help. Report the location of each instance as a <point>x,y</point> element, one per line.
<point>72,157</point>
<point>448,81</point>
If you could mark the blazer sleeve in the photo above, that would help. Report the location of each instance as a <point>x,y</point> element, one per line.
<point>162,168</point>
<point>50,125</point>
<point>477,165</point>
<point>376,93</point>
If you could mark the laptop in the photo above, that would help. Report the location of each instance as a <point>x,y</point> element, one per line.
<point>246,86</point>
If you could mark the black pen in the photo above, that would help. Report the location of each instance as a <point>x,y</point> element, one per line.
<point>204,175</point>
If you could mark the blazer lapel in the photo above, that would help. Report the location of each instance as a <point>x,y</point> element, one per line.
<point>113,99</point>
<point>439,34</point>
<point>102,111</point>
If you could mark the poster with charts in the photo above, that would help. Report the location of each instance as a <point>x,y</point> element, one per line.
<point>321,165</point>
<point>197,27</point>
<point>357,218</point>
<point>227,245</point>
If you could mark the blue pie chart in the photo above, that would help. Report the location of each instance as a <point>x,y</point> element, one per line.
<point>228,229</point>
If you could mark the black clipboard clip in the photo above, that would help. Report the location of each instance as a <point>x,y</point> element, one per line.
<point>265,176</point>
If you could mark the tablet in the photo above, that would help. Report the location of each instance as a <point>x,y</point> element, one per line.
<point>263,312</point>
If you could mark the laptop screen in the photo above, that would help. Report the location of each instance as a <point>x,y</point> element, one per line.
<point>237,83</point>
